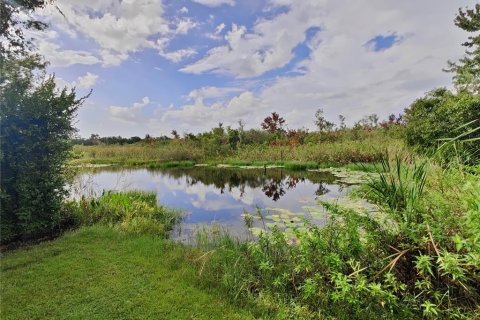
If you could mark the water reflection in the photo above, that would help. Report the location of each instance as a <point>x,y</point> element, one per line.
<point>322,189</point>
<point>217,195</point>
<point>273,182</point>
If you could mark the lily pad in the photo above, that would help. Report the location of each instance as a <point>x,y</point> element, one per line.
<point>272,225</point>
<point>256,231</point>
<point>274,217</point>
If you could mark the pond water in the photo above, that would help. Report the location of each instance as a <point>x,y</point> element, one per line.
<point>221,196</point>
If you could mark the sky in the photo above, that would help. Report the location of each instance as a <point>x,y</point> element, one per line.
<point>158,65</point>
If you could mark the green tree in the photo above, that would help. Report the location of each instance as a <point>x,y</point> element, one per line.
<point>233,138</point>
<point>175,134</point>
<point>36,127</point>
<point>467,70</point>
<point>341,119</point>
<point>322,123</point>
<point>441,115</point>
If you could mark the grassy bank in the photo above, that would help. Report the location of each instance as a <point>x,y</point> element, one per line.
<point>186,153</point>
<point>102,273</point>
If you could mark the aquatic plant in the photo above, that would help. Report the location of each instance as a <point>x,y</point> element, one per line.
<point>399,186</point>
<point>133,211</point>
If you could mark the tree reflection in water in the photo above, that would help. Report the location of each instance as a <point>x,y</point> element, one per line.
<point>321,190</point>
<point>274,189</point>
<point>274,182</point>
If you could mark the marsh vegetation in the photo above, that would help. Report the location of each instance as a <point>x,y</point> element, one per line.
<point>405,245</point>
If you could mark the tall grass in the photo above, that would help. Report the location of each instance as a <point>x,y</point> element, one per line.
<point>399,186</point>
<point>367,150</point>
<point>460,148</point>
<point>133,211</point>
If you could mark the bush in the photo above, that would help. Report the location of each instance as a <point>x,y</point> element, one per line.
<point>443,115</point>
<point>36,128</point>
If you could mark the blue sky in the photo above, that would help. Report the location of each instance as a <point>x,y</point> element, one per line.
<point>158,65</point>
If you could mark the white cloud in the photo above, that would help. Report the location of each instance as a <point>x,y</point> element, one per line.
<point>183,10</point>
<point>341,75</point>
<point>112,59</point>
<point>219,28</point>
<point>267,46</point>
<point>87,81</point>
<point>211,92</point>
<point>216,34</point>
<point>185,25</point>
<point>198,116</point>
<point>178,55</point>
<point>118,28</point>
<point>174,56</point>
<point>215,3</point>
<point>131,114</point>
<point>57,56</point>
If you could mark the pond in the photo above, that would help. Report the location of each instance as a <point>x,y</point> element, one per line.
<point>221,196</point>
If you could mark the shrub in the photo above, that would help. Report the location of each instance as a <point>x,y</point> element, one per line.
<point>36,128</point>
<point>443,115</point>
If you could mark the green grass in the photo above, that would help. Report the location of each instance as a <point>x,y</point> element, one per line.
<point>132,211</point>
<point>100,273</point>
<point>184,153</point>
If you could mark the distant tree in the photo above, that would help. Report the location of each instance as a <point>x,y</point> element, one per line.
<point>273,123</point>
<point>175,134</point>
<point>467,70</point>
<point>134,139</point>
<point>391,121</point>
<point>241,132</point>
<point>233,137</point>
<point>341,119</point>
<point>296,137</point>
<point>219,131</point>
<point>322,123</point>
<point>94,139</point>
<point>189,136</point>
<point>373,119</point>
<point>148,139</point>
<point>367,122</point>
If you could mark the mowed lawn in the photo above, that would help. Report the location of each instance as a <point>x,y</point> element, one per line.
<point>99,273</point>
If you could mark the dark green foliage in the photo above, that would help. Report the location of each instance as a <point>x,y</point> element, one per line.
<point>440,115</point>
<point>35,144</point>
<point>467,70</point>
<point>95,139</point>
